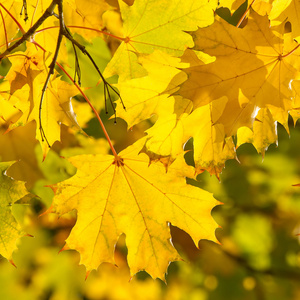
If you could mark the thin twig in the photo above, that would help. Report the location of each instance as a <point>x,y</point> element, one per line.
<point>94,110</point>
<point>107,85</point>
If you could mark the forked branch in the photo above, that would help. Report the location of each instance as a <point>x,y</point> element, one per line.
<point>63,32</point>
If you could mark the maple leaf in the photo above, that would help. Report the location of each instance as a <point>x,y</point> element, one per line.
<point>10,191</point>
<point>144,31</point>
<point>253,67</point>
<point>125,195</point>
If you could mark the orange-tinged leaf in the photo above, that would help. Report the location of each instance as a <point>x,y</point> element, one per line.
<point>144,32</point>
<point>253,67</point>
<point>126,195</point>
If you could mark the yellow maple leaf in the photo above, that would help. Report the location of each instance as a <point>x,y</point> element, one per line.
<point>125,195</point>
<point>253,67</point>
<point>144,31</point>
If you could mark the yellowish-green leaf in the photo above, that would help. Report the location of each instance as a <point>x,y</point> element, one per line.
<point>144,31</point>
<point>10,231</point>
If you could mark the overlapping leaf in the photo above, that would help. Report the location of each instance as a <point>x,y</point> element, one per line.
<point>125,195</point>
<point>27,79</point>
<point>253,67</point>
<point>144,31</point>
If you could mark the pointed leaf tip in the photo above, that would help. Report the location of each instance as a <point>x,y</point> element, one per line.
<point>12,262</point>
<point>87,274</point>
<point>52,187</point>
<point>48,211</point>
<point>28,235</point>
<point>65,247</point>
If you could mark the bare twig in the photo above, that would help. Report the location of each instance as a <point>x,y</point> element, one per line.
<point>24,7</point>
<point>107,85</point>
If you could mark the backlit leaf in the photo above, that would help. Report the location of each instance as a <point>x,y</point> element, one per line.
<point>126,195</point>
<point>144,32</point>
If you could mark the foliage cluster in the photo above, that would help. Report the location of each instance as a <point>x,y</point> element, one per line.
<point>201,74</point>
